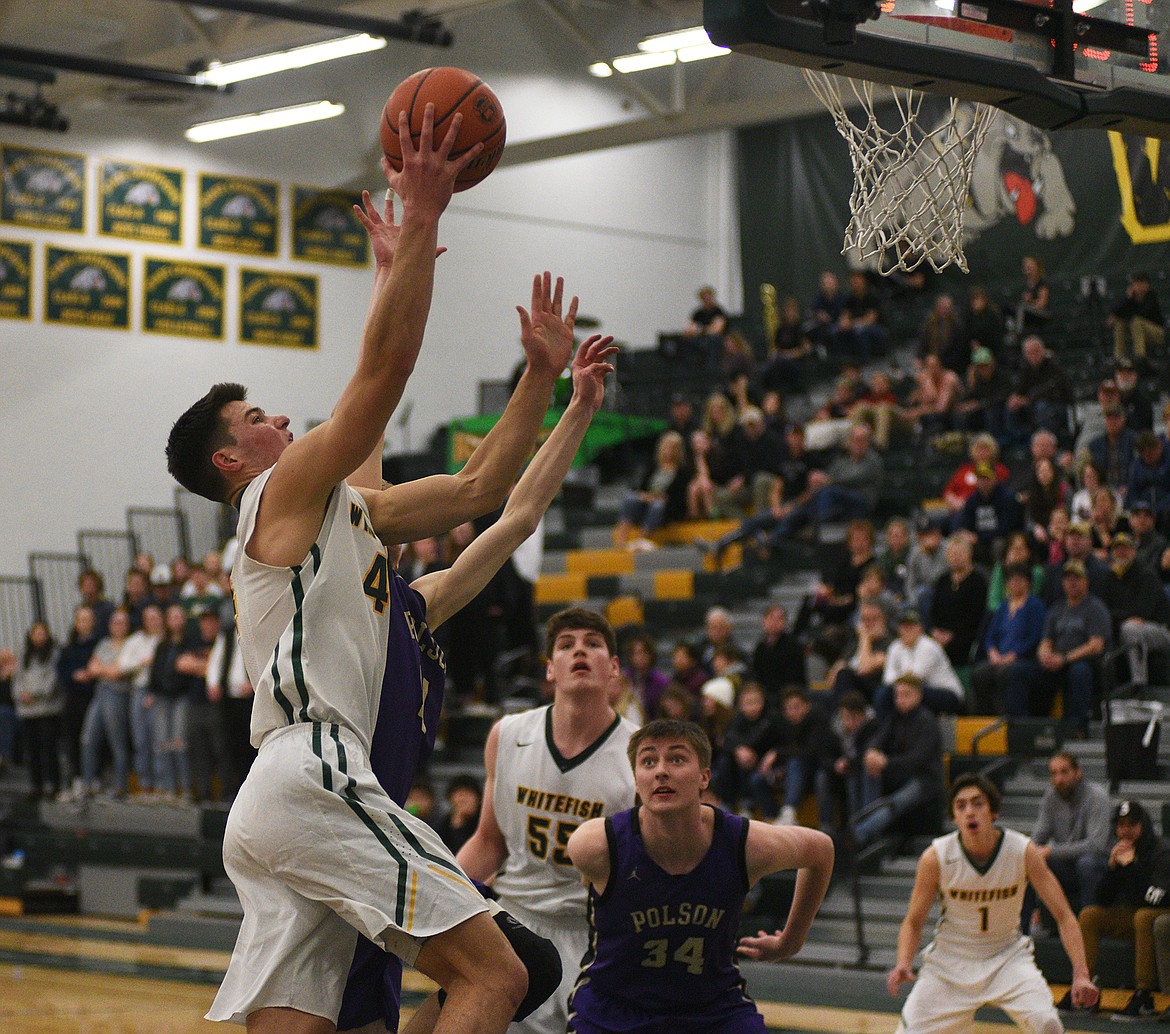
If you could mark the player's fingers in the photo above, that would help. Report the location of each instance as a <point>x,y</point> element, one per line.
<point>466,158</point>
<point>571,315</point>
<point>525,319</point>
<point>405,140</point>
<point>426,136</point>
<point>440,250</point>
<point>447,144</point>
<point>558,295</point>
<point>536,301</point>
<point>387,168</point>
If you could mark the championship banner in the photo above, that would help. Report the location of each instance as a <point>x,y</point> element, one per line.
<point>238,214</point>
<point>185,299</point>
<point>278,309</point>
<point>140,202</point>
<point>325,229</point>
<point>43,189</point>
<point>87,288</point>
<point>15,280</point>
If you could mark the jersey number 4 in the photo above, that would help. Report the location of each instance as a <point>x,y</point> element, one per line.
<point>377,582</point>
<point>538,842</point>
<point>689,953</point>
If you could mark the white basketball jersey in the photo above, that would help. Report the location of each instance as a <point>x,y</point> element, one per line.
<point>540,798</point>
<point>979,906</point>
<point>314,635</point>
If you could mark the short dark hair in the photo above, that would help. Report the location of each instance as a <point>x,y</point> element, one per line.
<point>196,436</point>
<point>852,701</point>
<point>672,729</point>
<point>795,691</point>
<point>574,619</point>
<point>984,785</point>
<point>1072,759</point>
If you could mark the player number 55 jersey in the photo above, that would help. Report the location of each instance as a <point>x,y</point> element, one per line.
<point>541,797</point>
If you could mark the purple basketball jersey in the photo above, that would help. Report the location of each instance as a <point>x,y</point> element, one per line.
<point>663,946</point>
<point>404,737</point>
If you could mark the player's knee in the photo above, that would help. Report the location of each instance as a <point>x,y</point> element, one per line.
<point>1044,1023</point>
<point>540,959</point>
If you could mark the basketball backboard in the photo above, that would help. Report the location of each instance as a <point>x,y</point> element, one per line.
<point>1056,64</point>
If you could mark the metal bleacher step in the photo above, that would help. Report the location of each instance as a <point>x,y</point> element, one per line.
<point>194,930</point>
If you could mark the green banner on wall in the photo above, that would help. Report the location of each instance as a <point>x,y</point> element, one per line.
<point>15,280</point>
<point>238,214</point>
<point>87,288</point>
<point>278,309</point>
<point>43,189</point>
<point>325,229</point>
<point>140,202</point>
<point>185,299</point>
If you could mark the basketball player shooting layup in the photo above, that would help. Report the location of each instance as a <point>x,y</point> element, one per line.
<point>315,847</point>
<point>667,881</point>
<point>979,956</point>
<point>412,694</point>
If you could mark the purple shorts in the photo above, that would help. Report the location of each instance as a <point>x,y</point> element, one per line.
<point>591,1012</point>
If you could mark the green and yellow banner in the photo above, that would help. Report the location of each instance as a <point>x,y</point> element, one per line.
<point>185,299</point>
<point>325,229</point>
<point>87,288</point>
<point>240,215</point>
<point>15,280</point>
<point>278,309</point>
<point>43,189</point>
<point>140,202</point>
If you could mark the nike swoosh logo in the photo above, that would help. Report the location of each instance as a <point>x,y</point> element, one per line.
<point>526,743</point>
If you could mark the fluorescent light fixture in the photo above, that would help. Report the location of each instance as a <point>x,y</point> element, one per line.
<point>298,57</point>
<point>945,5</point>
<point>275,118</point>
<point>674,40</point>
<point>600,69</point>
<point>701,52</point>
<point>640,62</point>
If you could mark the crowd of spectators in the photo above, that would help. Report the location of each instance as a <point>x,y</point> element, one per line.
<point>1000,597</point>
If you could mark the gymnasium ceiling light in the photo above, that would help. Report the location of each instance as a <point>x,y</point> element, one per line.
<point>296,57</point>
<point>258,122</point>
<point>664,48</point>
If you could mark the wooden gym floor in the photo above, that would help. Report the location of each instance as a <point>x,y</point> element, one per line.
<point>67,975</point>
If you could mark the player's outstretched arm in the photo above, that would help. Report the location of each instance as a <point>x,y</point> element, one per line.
<point>447,592</point>
<point>391,339</point>
<point>1049,890</point>
<point>810,852</point>
<point>910,934</point>
<point>434,505</point>
<point>482,855</point>
<point>588,847</point>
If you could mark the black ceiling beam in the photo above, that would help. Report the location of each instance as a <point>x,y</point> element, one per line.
<point>102,66</point>
<point>29,73</point>
<point>416,28</point>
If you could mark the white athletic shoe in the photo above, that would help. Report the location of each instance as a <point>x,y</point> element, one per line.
<point>787,816</point>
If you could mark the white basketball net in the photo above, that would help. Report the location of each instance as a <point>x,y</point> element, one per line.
<point>910,184</point>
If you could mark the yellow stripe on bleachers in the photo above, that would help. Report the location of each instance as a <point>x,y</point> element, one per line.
<point>674,585</point>
<point>594,562</point>
<point>561,588</point>
<point>625,610</point>
<point>682,533</point>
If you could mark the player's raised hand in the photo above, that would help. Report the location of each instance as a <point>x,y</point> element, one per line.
<point>546,334</point>
<point>427,179</point>
<point>1084,993</point>
<point>767,947</point>
<point>898,976</point>
<point>590,368</point>
<point>381,227</point>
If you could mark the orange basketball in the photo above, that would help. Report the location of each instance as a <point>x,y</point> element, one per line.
<point>449,90</point>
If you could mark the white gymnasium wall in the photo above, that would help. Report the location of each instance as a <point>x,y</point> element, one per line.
<point>84,414</point>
